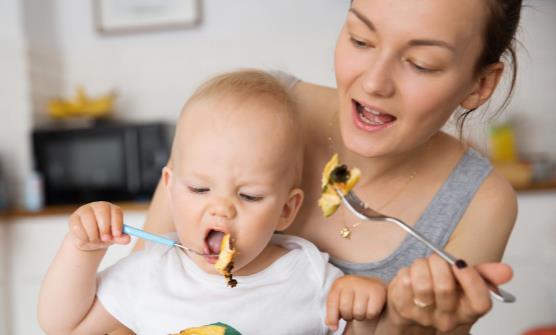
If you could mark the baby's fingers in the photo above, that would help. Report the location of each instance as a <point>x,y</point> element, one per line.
<point>89,223</point>
<point>103,217</point>
<point>117,222</point>
<point>78,230</point>
<point>333,309</point>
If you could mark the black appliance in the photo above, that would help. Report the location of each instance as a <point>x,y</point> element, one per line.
<point>112,161</point>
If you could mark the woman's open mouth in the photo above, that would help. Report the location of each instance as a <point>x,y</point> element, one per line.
<point>370,119</point>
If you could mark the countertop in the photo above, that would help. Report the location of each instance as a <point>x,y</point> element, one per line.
<point>144,206</point>
<point>66,210</point>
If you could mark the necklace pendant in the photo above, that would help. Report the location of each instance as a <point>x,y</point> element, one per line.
<point>345,233</point>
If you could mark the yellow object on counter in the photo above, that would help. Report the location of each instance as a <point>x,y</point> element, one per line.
<point>82,105</point>
<point>502,140</point>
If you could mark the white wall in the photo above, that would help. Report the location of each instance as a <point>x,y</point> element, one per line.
<point>13,128</point>
<point>156,72</point>
<point>15,157</point>
<point>532,253</point>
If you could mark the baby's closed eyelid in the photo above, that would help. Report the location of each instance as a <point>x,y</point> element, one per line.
<point>197,189</point>
<point>251,197</point>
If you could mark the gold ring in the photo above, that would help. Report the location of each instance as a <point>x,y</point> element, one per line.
<point>421,304</point>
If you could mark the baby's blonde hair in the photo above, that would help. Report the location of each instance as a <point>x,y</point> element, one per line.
<point>249,85</point>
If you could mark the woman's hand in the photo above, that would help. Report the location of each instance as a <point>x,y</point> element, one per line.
<point>97,225</point>
<point>354,298</point>
<point>435,294</point>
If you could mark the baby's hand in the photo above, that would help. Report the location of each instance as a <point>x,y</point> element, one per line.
<point>97,226</point>
<point>354,298</point>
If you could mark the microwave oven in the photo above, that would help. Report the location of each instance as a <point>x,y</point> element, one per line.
<point>112,162</point>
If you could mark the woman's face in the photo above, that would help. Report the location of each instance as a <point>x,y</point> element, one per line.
<point>402,68</point>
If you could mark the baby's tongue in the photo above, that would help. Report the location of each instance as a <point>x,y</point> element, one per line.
<point>214,240</point>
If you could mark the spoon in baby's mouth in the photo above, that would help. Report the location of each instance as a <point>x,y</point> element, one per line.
<point>162,240</point>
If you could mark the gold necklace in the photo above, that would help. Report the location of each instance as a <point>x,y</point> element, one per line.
<point>346,229</point>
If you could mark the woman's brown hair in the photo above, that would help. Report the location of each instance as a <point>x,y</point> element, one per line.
<point>499,42</point>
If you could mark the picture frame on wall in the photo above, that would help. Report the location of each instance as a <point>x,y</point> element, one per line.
<point>131,16</point>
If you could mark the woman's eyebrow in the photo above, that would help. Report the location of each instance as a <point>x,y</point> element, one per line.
<point>363,19</point>
<point>417,42</point>
<point>434,43</point>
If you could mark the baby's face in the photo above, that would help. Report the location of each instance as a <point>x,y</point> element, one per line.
<point>230,175</point>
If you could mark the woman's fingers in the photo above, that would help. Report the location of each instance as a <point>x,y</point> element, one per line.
<point>446,293</point>
<point>421,282</point>
<point>497,273</point>
<point>400,296</point>
<point>475,290</point>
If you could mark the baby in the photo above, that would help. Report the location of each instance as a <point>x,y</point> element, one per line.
<point>236,169</point>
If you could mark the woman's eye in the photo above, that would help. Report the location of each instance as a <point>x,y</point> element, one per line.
<point>201,190</point>
<point>420,68</point>
<point>249,197</point>
<point>359,44</point>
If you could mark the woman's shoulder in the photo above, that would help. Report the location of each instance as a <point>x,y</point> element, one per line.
<point>317,106</point>
<point>487,222</point>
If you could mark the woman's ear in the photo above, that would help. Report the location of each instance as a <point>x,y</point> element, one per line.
<point>484,86</point>
<point>290,209</point>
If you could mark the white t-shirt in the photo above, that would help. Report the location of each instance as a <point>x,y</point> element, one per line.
<point>162,291</point>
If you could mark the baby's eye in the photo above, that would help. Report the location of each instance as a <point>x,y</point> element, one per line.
<point>249,197</point>
<point>200,190</point>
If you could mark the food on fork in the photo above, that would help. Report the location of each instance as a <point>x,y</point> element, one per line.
<point>336,176</point>
<point>225,263</point>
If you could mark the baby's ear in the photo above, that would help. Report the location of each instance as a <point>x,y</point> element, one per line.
<point>166,176</point>
<point>290,209</point>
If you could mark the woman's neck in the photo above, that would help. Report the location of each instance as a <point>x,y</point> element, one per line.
<point>389,167</point>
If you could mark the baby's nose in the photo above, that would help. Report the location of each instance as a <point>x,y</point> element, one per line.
<point>223,207</point>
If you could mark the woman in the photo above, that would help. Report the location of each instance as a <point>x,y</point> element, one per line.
<point>403,68</point>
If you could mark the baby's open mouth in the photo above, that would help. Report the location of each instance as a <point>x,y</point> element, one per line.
<point>213,241</point>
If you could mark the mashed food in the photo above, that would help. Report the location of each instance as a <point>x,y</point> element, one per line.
<point>336,176</point>
<point>225,263</point>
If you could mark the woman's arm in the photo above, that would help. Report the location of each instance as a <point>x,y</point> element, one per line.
<point>158,219</point>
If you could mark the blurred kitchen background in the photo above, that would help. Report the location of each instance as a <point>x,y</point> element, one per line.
<point>50,48</point>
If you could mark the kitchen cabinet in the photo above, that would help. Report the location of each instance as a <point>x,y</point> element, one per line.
<point>28,243</point>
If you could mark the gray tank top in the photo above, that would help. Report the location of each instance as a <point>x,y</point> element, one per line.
<point>437,222</point>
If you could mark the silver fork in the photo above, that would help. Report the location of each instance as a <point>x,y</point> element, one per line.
<point>363,212</point>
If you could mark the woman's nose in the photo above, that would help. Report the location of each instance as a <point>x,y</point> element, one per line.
<point>378,79</point>
<point>223,207</point>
